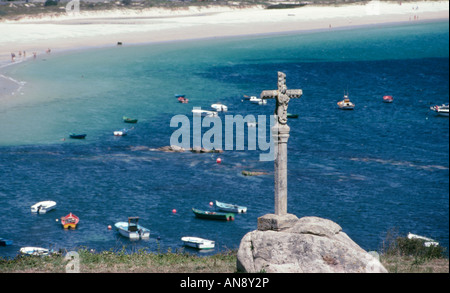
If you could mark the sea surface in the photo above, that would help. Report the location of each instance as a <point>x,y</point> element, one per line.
<point>379,168</point>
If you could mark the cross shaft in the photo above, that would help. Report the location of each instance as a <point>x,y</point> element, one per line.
<point>280,133</point>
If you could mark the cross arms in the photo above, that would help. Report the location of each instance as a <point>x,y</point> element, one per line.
<point>273,94</point>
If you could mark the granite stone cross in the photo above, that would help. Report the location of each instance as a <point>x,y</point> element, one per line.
<point>280,133</point>
<point>282,96</point>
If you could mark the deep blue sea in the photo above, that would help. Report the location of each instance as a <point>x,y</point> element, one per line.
<point>379,168</point>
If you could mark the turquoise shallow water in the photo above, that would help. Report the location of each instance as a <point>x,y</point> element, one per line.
<point>379,167</point>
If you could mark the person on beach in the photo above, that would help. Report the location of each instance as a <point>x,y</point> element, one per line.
<point>34,55</point>
<point>13,57</point>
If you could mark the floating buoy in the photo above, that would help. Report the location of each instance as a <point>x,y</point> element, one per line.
<point>56,220</point>
<point>174,211</point>
<point>109,227</point>
<point>211,203</point>
<point>219,160</point>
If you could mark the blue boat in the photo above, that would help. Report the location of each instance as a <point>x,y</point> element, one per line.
<point>233,208</point>
<point>5,242</point>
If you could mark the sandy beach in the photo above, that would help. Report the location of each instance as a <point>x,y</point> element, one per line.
<point>96,29</point>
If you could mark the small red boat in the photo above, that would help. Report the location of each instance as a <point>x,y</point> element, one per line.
<point>70,221</point>
<point>388,99</point>
<point>182,99</point>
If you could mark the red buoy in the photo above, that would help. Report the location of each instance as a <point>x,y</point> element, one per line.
<point>219,160</point>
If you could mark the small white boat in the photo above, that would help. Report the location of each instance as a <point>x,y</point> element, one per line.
<point>35,251</point>
<point>43,206</point>
<point>230,207</point>
<point>345,104</point>
<point>204,113</point>
<point>427,241</point>
<point>132,230</point>
<point>441,110</point>
<point>121,132</point>
<point>219,107</point>
<point>255,100</point>
<point>197,242</point>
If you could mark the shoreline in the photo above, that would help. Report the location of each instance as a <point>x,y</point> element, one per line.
<point>101,29</point>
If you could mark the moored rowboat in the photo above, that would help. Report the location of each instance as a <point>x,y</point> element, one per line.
<point>200,112</point>
<point>129,120</point>
<point>77,136</point>
<point>219,107</point>
<point>197,242</point>
<point>132,230</point>
<point>213,215</point>
<point>441,110</point>
<point>227,207</point>
<point>182,99</point>
<point>35,251</point>
<point>121,132</point>
<point>388,99</point>
<point>43,206</point>
<point>5,242</point>
<point>255,100</point>
<point>345,104</point>
<point>70,221</point>
<point>427,242</point>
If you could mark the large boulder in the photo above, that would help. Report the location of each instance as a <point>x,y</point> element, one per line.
<point>311,245</point>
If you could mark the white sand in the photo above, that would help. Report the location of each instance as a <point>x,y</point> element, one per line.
<point>93,29</point>
<point>88,29</point>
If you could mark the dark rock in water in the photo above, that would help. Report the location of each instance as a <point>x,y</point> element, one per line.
<point>203,150</point>
<point>253,173</point>
<point>178,149</point>
<point>172,148</point>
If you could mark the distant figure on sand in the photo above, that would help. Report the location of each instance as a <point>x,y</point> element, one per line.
<point>48,51</point>
<point>13,57</point>
<point>34,55</point>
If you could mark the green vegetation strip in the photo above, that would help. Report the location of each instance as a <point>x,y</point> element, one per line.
<point>398,255</point>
